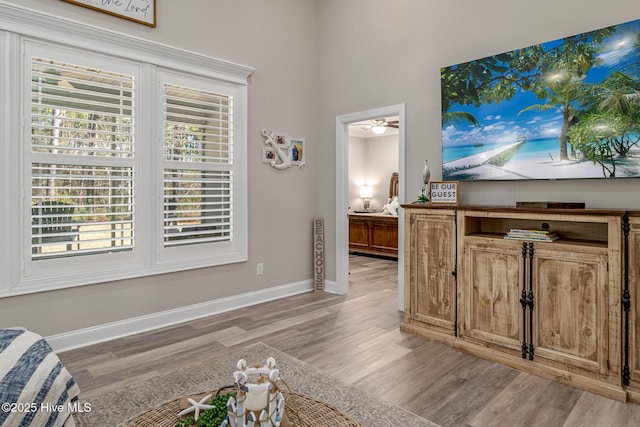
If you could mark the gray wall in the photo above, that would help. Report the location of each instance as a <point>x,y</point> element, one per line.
<point>377,53</point>
<point>279,38</point>
<point>315,60</point>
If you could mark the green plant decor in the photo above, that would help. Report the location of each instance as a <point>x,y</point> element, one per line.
<point>423,198</point>
<point>210,417</point>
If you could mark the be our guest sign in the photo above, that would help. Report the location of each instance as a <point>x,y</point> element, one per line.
<point>444,192</point>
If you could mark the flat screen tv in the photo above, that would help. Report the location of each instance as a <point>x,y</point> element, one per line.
<point>568,108</point>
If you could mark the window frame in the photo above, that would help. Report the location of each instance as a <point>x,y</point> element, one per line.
<point>18,26</point>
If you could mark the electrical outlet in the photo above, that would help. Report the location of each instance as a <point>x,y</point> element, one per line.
<point>260,268</point>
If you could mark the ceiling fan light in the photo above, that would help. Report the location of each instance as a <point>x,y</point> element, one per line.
<point>378,129</point>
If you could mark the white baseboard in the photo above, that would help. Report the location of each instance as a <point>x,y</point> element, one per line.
<point>331,286</point>
<point>96,334</point>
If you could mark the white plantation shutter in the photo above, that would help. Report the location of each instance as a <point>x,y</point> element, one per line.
<point>80,224</point>
<point>82,151</point>
<point>198,180</point>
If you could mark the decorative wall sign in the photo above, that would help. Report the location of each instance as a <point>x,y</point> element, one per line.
<point>444,192</point>
<point>318,254</point>
<point>282,152</point>
<point>140,11</point>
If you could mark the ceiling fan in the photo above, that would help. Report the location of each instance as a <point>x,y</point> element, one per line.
<point>379,126</point>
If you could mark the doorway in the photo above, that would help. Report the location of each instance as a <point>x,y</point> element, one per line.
<point>342,192</point>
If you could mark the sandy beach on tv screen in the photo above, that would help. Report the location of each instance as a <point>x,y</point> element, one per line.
<point>540,168</point>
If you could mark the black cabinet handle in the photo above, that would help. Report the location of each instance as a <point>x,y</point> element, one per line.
<point>523,301</point>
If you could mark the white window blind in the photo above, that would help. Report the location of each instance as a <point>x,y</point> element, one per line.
<point>198,178</point>
<point>82,150</point>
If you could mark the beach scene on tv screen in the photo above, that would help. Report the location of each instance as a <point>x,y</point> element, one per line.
<point>568,108</point>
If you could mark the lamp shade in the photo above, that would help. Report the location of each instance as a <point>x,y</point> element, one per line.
<point>366,192</point>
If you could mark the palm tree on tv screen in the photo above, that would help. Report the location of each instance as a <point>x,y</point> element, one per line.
<point>561,82</point>
<point>610,126</point>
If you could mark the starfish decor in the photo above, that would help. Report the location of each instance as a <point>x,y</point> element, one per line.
<point>197,407</point>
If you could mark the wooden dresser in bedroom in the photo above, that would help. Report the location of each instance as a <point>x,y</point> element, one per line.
<point>373,234</point>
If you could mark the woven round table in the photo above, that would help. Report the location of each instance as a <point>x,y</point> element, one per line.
<point>301,410</point>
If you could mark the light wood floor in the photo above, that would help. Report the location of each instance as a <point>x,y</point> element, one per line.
<point>356,338</point>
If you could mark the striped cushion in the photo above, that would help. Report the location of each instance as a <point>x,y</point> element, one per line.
<point>33,382</point>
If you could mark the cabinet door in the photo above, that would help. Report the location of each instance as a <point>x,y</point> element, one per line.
<point>359,234</point>
<point>634,289</point>
<point>384,236</point>
<point>431,270</point>
<point>571,307</point>
<point>493,277</point>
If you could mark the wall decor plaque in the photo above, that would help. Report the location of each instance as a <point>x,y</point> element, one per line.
<point>140,11</point>
<point>318,254</point>
<point>443,192</point>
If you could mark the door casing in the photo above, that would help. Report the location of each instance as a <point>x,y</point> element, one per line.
<point>342,192</point>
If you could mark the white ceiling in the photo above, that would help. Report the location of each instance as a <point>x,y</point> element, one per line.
<point>359,129</point>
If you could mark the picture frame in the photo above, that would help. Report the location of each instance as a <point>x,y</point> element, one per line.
<point>280,138</point>
<point>443,192</point>
<point>140,11</point>
<point>297,150</point>
<point>269,154</point>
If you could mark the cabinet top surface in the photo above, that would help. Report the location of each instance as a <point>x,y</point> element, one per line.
<point>610,212</point>
<point>373,214</point>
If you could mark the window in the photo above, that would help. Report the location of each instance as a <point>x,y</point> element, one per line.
<point>81,166</point>
<point>131,159</point>
<point>199,173</point>
<point>82,151</point>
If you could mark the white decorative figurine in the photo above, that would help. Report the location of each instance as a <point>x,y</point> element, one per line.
<point>391,208</point>
<point>263,397</point>
<point>197,407</point>
<point>426,175</point>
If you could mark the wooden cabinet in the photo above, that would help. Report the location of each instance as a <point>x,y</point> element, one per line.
<point>548,308</point>
<point>373,234</point>
<point>632,315</point>
<point>431,295</point>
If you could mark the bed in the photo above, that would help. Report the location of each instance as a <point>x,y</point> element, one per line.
<point>35,388</point>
